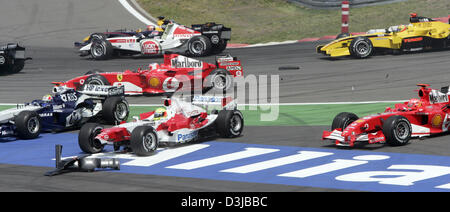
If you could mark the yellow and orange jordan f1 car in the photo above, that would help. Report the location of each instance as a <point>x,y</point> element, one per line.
<point>421,34</point>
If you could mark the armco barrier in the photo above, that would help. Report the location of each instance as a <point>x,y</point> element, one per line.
<point>336,4</point>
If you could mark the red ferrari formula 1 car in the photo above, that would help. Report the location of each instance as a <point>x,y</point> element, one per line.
<point>430,114</point>
<point>175,73</point>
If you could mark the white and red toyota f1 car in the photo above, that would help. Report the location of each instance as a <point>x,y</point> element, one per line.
<point>200,40</point>
<point>415,118</point>
<point>179,121</point>
<point>175,73</point>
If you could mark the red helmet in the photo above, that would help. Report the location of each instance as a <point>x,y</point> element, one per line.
<point>150,28</point>
<point>414,103</point>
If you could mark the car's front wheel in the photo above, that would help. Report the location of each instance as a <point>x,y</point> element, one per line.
<point>86,138</point>
<point>342,120</point>
<point>28,125</point>
<point>361,47</point>
<point>101,49</point>
<point>397,130</point>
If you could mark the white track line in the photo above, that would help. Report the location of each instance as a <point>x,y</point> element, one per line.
<point>135,13</point>
<point>267,104</point>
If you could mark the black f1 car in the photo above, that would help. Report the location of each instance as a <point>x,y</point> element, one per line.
<point>66,109</point>
<point>12,58</point>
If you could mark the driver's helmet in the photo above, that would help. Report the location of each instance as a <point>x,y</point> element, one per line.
<point>150,28</point>
<point>159,114</point>
<point>414,103</point>
<point>47,98</point>
<point>401,28</point>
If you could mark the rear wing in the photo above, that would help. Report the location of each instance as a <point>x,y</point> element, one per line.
<point>103,90</point>
<point>231,64</point>
<point>211,28</point>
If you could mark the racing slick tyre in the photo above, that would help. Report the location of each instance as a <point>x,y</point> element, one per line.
<point>28,124</point>
<point>199,46</point>
<point>115,110</point>
<point>96,79</point>
<point>219,80</point>
<point>397,130</point>
<point>230,123</point>
<point>144,140</point>
<point>342,120</point>
<point>101,49</point>
<point>86,137</point>
<point>361,47</point>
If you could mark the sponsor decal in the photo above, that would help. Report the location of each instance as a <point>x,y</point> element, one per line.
<point>410,40</point>
<point>185,62</point>
<point>120,77</point>
<point>154,82</point>
<point>215,39</point>
<point>285,165</point>
<point>234,68</point>
<point>207,99</point>
<point>69,97</point>
<point>171,84</point>
<point>446,123</point>
<point>436,121</point>
<point>45,114</point>
<point>150,47</point>
<point>122,40</point>
<point>438,97</point>
<point>186,137</point>
<point>184,33</point>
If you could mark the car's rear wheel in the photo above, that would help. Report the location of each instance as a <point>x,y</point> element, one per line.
<point>115,110</point>
<point>144,140</point>
<point>199,46</point>
<point>230,123</point>
<point>219,80</point>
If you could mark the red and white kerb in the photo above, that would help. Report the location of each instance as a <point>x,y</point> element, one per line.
<point>345,14</point>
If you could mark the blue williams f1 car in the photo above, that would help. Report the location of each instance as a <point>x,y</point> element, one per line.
<point>66,109</point>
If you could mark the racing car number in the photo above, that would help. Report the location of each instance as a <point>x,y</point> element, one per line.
<point>150,47</point>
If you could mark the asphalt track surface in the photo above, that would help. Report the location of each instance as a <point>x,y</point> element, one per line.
<point>48,29</point>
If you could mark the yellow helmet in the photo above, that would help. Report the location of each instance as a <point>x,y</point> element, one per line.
<point>159,113</point>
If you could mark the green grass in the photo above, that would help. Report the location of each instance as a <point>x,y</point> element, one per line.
<point>290,115</point>
<point>259,21</point>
